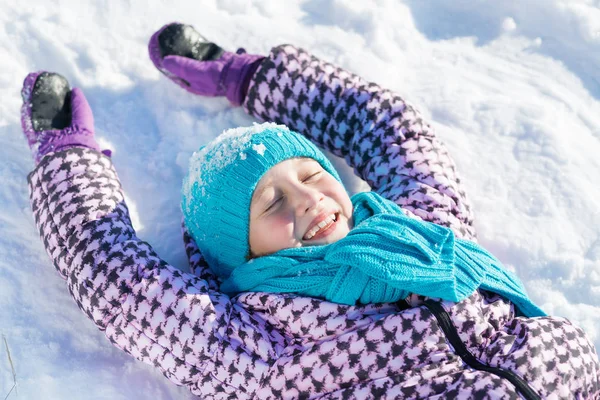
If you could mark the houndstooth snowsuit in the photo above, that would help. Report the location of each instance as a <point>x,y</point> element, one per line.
<point>271,346</point>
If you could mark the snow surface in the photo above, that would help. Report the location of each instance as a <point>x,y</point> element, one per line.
<point>511,86</point>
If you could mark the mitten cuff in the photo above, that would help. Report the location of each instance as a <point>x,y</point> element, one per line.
<point>64,141</point>
<point>237,75</point>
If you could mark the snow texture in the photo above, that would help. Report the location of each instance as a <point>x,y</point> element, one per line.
<point>511,86</point>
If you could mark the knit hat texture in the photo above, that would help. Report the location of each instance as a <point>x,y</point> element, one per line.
<point>222,176</point>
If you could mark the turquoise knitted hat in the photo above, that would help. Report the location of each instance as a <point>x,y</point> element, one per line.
<point>221,179</point>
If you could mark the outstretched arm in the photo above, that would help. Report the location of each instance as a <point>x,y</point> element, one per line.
<point>160,315</point>
<point>379,134</point>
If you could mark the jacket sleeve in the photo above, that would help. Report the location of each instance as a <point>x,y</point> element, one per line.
<point>380,135</point>
<point>198,265</point>
<point>158,314</point>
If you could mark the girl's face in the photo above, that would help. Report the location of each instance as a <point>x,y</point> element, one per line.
<point>297,203</point>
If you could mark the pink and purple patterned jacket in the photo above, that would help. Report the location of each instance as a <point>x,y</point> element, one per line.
<point>271,346</point>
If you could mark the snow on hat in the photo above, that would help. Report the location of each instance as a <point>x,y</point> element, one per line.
<point>222,176</point>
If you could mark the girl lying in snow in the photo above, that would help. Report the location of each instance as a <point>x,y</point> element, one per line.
<point>296,290</point>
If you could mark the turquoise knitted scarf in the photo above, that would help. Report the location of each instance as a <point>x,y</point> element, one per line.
<point>384,258</point>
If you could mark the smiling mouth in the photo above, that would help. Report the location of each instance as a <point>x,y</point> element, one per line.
<point>321,227</point>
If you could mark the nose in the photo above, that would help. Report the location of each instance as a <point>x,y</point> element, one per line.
<point>306,199</point>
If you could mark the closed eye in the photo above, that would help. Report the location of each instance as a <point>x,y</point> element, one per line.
<point>274,203</point>
<point>311,177</point>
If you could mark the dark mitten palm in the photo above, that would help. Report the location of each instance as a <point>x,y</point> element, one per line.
<point>183,40</point>
<point>50,102</point>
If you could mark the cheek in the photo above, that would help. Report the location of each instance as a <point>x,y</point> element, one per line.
<point>339,194</point>
<point>281,223</point>
<point>271,234</point>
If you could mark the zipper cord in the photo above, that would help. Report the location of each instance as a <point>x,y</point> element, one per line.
<point>461,350</point>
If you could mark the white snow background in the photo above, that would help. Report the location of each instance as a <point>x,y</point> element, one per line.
<point>512,88</point>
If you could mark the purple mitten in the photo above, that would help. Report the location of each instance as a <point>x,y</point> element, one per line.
<point>199,66</point>
<point>53,117</point>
